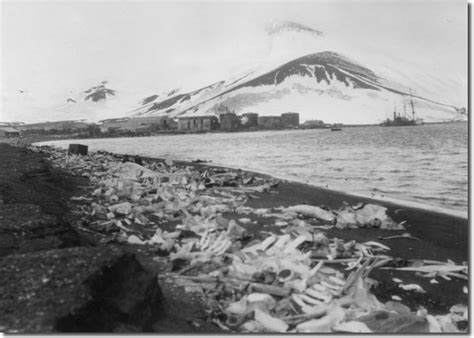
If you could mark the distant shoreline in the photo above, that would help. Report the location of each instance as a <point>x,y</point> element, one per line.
<point>379,197</point>
<point>291,180</point>
<point>34,138</point>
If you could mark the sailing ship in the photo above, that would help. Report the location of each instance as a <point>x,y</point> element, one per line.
<point>405,120</point>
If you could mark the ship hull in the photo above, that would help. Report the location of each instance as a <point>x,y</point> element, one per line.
<point>401,122</point>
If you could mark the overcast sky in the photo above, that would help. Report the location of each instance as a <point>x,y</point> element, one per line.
<point>52,49</point>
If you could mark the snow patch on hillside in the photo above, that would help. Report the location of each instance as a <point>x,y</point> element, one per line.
<point>333,103</point>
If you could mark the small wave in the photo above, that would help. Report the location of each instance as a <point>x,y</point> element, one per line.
<point>463,187</point>
<point>404,185</point>
<point>459,204</point>
<point>430,159</point>
<point>431,198</point>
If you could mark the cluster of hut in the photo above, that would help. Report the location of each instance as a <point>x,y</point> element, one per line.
<point>226,120</point>
<point>233,122</point>
<point>116,126</point>
<point>220,119</point>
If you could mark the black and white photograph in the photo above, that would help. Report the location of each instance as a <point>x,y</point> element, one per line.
<point>235,167</point>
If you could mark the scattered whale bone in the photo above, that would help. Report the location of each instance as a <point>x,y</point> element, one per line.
<point>371,215</point>
<point>404,235</point>
<point>433,269</point>
<point>177,195</point>
<point>411,287</point>
<point>312,211</point>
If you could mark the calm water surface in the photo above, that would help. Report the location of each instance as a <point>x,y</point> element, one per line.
<point>425,165</point>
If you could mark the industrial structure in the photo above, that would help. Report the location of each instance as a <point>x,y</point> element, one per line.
<point>229,122</point>
<point>198,123</point>
<point>137,124</point>
<point>290,120</point>
<point>250,120</point>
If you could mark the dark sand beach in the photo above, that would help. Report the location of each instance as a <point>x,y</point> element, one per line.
<point>57,277</point>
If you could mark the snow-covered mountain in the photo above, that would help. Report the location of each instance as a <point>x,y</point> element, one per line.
<point>303,70</point>
<point>324,85</point>
<point>95,103</point>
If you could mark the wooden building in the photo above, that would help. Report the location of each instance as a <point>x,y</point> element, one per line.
<point>229,122</point>
<point>137,124</point>
<point>68,126</point>
<point>314,124</point>
<point>9,132</point>
<point>198,123</point>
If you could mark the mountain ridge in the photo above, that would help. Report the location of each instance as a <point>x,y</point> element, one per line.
<point>328,68</point>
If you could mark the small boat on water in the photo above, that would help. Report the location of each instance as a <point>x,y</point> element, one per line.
<point>336,129</point>
<point>399,120</point>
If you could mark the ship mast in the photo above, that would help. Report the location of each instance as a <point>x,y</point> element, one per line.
<point>412,105</point>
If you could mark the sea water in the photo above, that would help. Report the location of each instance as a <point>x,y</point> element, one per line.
<point>425,166</point>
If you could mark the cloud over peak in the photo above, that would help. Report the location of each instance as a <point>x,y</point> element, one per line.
<point>277,27</point>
